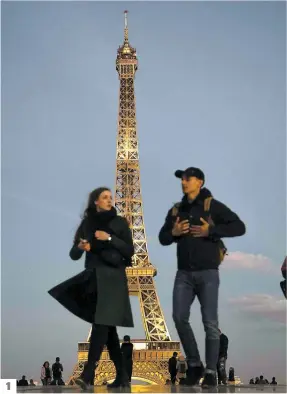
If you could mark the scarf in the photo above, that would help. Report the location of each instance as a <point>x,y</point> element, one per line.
<point>95,221</point>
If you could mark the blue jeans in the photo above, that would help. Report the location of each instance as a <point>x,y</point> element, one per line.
<point>204,285</point>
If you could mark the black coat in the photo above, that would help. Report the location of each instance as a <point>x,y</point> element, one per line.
<point>201,253</point>
<point>127,350</point>
<point>100,294</point>
<point>172,362</point>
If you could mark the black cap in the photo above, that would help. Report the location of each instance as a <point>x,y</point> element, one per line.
<point>189,172</point>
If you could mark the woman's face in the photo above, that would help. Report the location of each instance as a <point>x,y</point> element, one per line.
<point>46,365</point>
<point>105,201</point>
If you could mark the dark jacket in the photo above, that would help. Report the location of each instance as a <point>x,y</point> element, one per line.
<point>57,369</point>
<point>23,382</point>
<point>100,294</point>
<point>223,347</point>
<point>201,253</point>
<point>172,362</point>
<point>127,350</point>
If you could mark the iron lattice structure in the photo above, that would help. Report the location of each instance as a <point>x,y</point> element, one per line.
<point>151,361</point>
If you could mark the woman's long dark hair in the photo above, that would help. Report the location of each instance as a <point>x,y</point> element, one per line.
<point>93,196</point>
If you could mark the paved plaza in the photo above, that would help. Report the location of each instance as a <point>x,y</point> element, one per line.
<point>156,389</point>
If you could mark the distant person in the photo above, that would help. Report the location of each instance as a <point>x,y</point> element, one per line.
<point>46,374</point>
<point>197,225</point>
<point>23,381</point>
<point>181,368</point>
<point>32,383</point>
<point>231,377</point>
<point>251,381</point>
<point>283,283</point>
<point>57,369</point>
<point>256,380</point>
<point>273,381</point>
<point>221,365</point>
<point>127,351</point>
<point>172,367</point>
<point>261,380</point>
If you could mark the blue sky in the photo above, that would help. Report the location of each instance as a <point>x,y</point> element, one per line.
<point>210,92</point>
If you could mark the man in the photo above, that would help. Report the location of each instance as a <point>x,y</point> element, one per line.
<point>198,236</point>
<point>221,365</point>
<point>57,369</point>
<point>172,362</point>
<point>127,352</point>
<point>23,381</point>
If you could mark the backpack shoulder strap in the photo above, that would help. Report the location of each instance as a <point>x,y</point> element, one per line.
<point>175,209</point>
<point>207,203</point>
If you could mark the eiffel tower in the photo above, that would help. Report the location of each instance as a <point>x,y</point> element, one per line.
<point>152,353</point>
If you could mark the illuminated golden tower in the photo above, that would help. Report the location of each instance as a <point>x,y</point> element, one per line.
<point>152,353</point>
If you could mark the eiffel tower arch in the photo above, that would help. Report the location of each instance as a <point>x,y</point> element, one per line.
<point>152,353</point>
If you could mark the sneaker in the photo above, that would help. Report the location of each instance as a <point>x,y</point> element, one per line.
<point>193,376</point>
<point>209,380</point>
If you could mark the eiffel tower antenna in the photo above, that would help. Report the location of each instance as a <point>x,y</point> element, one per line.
<point>126,27</point>
<point>152,353</point>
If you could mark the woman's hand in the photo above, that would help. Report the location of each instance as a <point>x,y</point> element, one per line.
<point>84,245</point>
<point>102,235</point>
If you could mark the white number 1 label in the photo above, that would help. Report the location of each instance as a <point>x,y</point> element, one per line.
<point>8,386</point>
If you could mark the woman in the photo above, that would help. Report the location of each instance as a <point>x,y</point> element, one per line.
<point>46,374</point>
<point>181,367</point>
<point>99,294</point>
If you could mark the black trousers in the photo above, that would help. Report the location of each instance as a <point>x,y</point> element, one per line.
<point>101,336</point>
<point>173,377</point>
<point>57,380</point>
<point>129,367</point>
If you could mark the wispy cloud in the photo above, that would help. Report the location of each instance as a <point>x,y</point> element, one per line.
<point>262,305</point>
<point>246,261</point>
